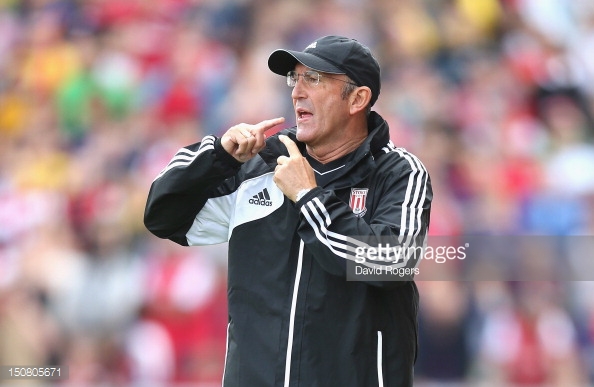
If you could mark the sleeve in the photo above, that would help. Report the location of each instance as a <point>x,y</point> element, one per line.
<point>389,239</point>
<point>185,187</point>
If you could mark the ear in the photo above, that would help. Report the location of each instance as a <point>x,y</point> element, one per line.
<point>359,99</point>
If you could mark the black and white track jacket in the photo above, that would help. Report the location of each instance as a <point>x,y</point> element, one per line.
<point>294,318</point>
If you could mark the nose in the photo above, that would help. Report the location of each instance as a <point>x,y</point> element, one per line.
<point>298,91</point>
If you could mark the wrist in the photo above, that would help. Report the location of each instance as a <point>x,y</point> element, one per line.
<point>301,194</point>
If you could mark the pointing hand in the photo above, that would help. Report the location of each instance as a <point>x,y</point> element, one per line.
<point>244,141</point>
<point>293,173</point>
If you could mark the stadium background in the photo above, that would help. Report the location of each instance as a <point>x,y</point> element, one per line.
<point>96,95</point>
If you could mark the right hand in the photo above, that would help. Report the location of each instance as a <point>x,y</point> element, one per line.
<point>244,141</point>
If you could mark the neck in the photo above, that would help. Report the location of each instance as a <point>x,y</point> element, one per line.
<point>327,153</point>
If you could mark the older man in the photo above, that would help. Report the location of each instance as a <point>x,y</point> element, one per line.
<point>294,208</point>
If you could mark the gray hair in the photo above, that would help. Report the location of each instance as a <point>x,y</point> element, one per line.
<point>348,88</point>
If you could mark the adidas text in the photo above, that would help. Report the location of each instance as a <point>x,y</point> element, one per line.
<point>261,202</point>
<point>262,198</point>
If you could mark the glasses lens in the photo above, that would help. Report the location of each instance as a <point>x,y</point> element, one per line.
<point>292,78</point>
<point>311,77</point>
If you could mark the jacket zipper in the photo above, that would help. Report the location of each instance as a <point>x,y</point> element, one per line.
<point>226,353</point>
<point>292,315</point>
<point>380,372</point>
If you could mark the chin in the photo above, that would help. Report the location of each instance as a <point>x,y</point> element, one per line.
<point>303,134</point>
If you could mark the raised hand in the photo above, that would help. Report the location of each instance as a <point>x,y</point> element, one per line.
<point>244,141</point>
<point>293,173</point>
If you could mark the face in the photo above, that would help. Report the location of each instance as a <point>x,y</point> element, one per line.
<point>320,111</point>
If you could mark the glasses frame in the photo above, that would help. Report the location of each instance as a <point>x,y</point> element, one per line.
<point>311,77</point>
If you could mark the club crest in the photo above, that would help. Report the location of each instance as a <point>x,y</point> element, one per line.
<point>357,201</point>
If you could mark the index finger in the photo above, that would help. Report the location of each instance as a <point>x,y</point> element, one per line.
<point>263,126</point>
<point>291,146</point>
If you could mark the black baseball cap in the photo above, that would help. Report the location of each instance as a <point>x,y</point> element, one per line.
<point>333,55</point>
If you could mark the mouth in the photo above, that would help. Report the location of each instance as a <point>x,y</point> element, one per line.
<point>303,114</point>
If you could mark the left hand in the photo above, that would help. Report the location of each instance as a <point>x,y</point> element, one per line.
<point>293,173</point>
<point>244,141</point>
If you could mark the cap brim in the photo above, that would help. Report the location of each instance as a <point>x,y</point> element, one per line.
<point>283,61</point>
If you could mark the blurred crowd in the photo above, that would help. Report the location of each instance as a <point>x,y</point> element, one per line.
<point>496,98</point>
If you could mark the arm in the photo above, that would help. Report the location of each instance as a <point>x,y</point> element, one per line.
<point>183,187</point>
<point>192,180</point>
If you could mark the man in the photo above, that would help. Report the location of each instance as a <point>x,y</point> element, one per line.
<point>290,207</point>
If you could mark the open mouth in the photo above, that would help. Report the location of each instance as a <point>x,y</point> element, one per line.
<point>303,114</point>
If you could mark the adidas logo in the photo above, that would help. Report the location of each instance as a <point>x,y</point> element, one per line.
<point>261,199</point>
<point>313,45</point>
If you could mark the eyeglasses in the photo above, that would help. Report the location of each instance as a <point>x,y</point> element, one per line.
<point>310,77</point>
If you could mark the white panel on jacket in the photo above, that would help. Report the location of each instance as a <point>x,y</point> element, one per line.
<point>211,225</point>
<point>256,199</point>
